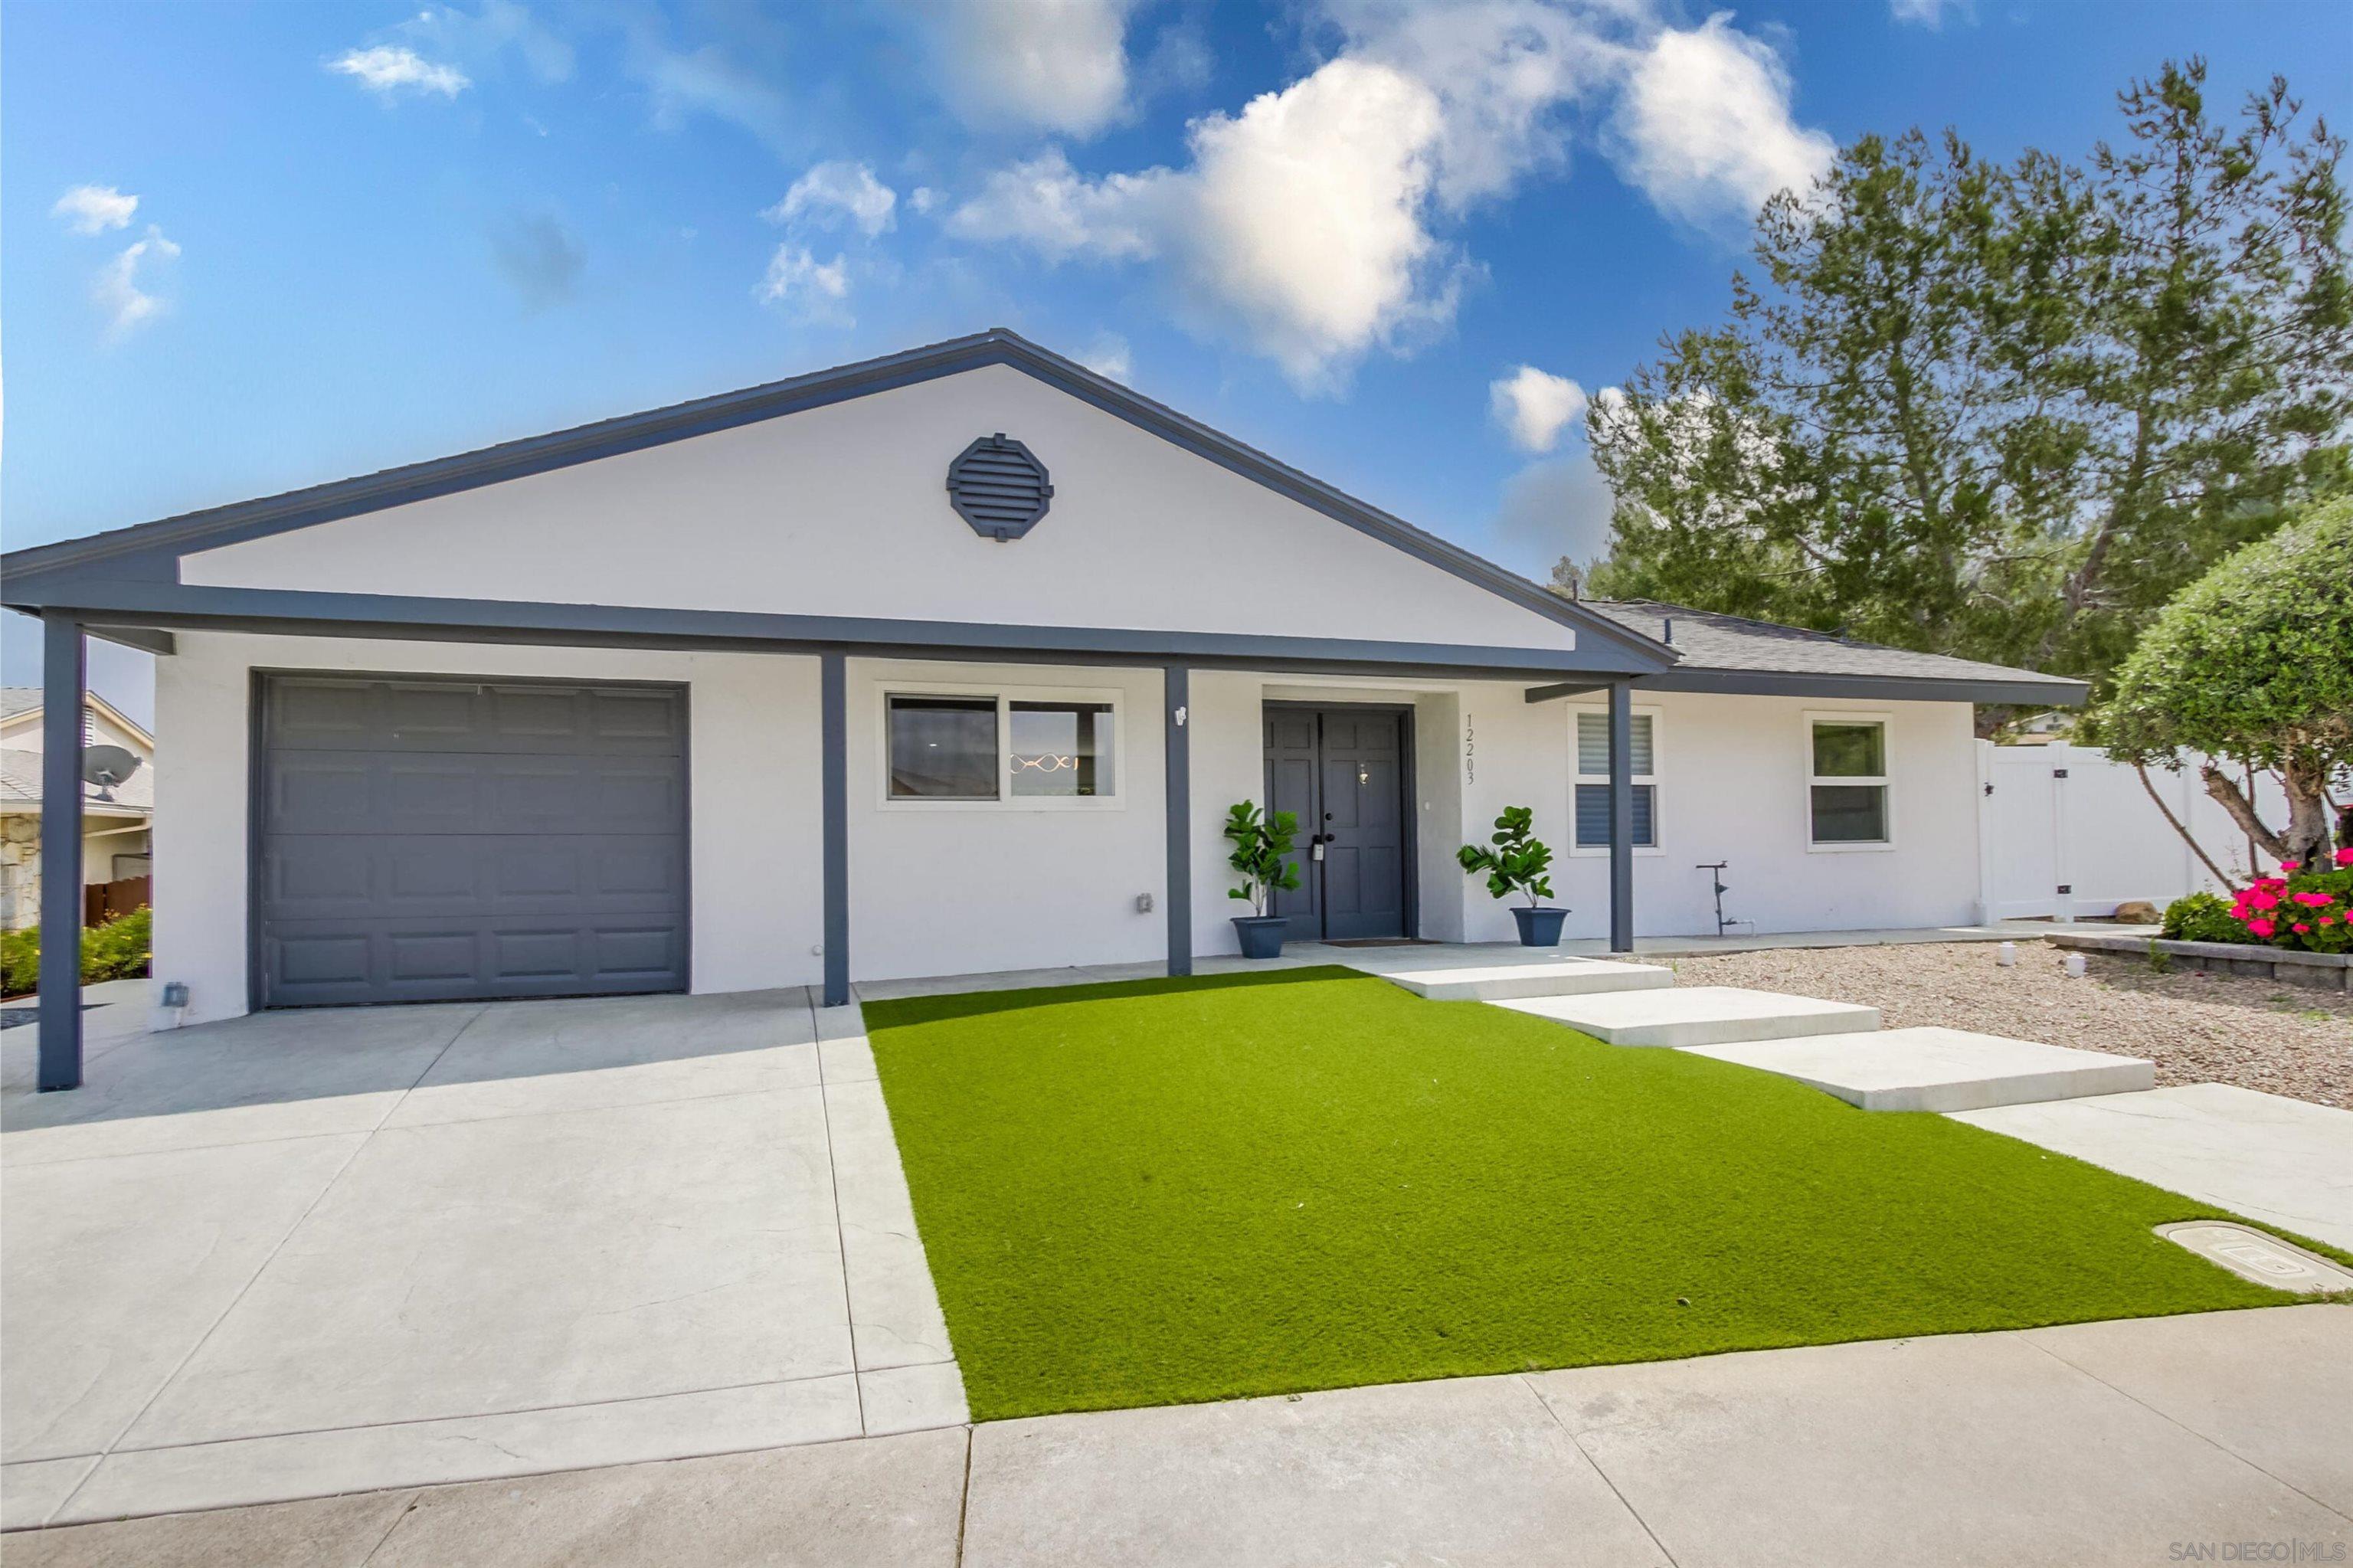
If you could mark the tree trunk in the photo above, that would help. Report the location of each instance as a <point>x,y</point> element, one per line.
<point>2195,847</point>
<point>2306,839</point>
<point>2231,798</point>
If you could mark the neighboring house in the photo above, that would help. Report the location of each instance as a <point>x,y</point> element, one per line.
<point>114,833</point>
<point>943,662</point>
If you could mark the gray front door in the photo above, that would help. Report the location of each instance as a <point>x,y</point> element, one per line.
<point>424,839</point>
<point>1341,770</point>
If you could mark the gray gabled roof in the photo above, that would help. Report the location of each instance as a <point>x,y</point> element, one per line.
<point>149,552</point>
<point>1719,651</point>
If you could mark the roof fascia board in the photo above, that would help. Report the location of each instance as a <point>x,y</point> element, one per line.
<point>149,604</point>
<point>165,540</point>
<point>145,640</point>
<point>2046,692</point>
<point>151,550</point>
<point>1562,689</point>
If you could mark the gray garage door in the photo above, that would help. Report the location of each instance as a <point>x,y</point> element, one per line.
<point>428,839</point>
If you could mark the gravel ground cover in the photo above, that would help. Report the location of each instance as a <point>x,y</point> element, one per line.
<point>2198,1028</point>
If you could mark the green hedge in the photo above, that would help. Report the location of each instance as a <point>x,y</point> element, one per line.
<point>117,950</point>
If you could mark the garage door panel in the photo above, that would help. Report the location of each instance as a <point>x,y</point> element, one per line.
<point>429,840</point>
<point>315,713</point>
<point>465,876</point>
<point>393,792</point>
<point>345,962</point>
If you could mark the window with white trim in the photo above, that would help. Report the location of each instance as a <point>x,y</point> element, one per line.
<point>1034,748</point>
<point>1846,787</point>
<point>1593,781</point>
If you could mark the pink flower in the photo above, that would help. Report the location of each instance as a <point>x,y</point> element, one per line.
<point>2291,865</point>
<point>2314,899</point>
<point>2262,928</point>
<point>2328,920</point>
<point>2263,901</point>
<point>2299,925</point>
<point>2345,855</point>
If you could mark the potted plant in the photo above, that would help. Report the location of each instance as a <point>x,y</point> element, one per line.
<point>1519,863</point>
<point>1261,854</point>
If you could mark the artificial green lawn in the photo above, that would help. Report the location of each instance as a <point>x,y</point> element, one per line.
<point>1168,1191</point>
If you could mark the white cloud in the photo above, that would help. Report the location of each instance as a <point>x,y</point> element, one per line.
<point>1047,204</point>
<point>481,38</point>
<point>1046,65</point>
<point>118,289</point>
<point>1534,406</point>
<point>923,199</point>
<point>94,210</point>
<point>1312,225</point>
<point>393,68</point>
<point>830,193</point>
<point>1307,215</point>
<point>1929,14</point>
<point>1108,356</point>
<point>1297,226</point>
<point>1704,126</point>
<point>709,81</point>
<point>1503,72</point>
<point>1557,507</point>
<point>806,289</point>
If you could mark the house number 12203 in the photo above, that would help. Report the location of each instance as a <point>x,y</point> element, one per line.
<point>1470,752</point>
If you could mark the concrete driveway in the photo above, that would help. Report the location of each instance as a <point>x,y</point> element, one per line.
<point>318,1251</point>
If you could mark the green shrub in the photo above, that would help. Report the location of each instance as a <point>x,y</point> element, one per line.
<point>2202,918</point>
<point>20,963</point>
<point>120,950</point>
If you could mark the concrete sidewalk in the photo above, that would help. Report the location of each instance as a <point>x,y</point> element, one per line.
<point>2137,1441</point>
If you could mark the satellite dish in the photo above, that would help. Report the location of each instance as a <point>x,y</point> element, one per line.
<point>107,766</point>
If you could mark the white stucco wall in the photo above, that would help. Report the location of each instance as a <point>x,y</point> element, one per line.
<point>1733,786</point>
<point>955,888</point>
<point>843,511</point>
<point>753,780</point>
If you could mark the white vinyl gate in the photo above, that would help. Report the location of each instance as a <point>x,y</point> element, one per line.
<point>2064,831</point>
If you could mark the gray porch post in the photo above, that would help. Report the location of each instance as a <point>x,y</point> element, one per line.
<point>833,726</point>
<point>62,679</point>
<point>1178,752</point>
<point>1621,816</point>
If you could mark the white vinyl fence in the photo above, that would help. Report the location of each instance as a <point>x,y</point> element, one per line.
<point>2065,832</point>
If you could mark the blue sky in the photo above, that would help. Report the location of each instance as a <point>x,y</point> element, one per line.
<point>364,235</point>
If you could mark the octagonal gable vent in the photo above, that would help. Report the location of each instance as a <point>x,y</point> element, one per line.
<point>998,486</point>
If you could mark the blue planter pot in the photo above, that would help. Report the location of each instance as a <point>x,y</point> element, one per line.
<point>1540,927</point>
<point>1261,935</point>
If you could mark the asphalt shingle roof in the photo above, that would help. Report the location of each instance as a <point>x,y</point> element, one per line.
<point>20,784</point>
<point>1711,641</point>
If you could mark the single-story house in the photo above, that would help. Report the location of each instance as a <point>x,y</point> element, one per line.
<point>947,661</point>
<point>115,813</point>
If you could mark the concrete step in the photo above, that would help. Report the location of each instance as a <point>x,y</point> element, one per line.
<point>1505,982</point>
<point>1939,1069</point>
<point>1699,1015</point>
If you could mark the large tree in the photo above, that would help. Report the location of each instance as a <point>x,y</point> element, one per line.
<point>2253,665</point>
<point>2001,411</point>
